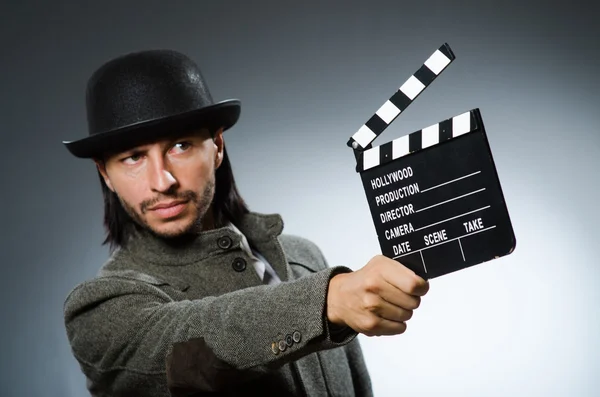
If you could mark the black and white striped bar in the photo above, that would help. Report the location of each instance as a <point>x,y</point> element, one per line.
<point>405,95</point>
<point>418,140</point>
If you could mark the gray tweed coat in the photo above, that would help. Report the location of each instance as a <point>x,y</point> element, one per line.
<point>160,320</point>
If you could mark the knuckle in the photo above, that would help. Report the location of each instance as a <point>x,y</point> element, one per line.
<point>407,315</point>
<point>370,323</point>
<point>371,284</point>
<point>414,303</point>
<point>375,260</point>
<point>417,284</point>
<point>424,283</point>
<point>425,287</point>
<point>402,328</point>
<point>384,261</point>
<point>417,303</point>
<point>371,302</point>
<point>413,285</point>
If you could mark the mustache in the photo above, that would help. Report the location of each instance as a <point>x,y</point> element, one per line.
<point>187,195</point>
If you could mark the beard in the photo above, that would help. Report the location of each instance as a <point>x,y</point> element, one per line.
<point>202,204</point>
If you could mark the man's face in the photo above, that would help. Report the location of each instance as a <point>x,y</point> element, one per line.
<point>167,186</point>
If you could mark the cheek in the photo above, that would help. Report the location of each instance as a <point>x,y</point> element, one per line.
<point>131,192</point>
<point>195,177</point>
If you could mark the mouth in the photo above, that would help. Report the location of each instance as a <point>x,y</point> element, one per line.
<point>168,210</point>
<point>165,205</point>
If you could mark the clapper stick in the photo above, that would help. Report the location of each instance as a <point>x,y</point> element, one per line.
<point>434,195</point>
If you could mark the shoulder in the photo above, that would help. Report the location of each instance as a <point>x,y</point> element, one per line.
<point>302,251</point>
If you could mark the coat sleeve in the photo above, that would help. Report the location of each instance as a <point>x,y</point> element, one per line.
<point>129,334</point>
<point>360,374</point>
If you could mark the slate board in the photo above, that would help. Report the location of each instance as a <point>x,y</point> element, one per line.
<point>435,196</point>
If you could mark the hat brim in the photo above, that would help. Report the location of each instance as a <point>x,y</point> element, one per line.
<point>222,114</point>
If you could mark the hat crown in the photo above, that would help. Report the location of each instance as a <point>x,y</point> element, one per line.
<point>141,87</point>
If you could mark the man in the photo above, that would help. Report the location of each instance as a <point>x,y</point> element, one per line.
<point>200,295</point>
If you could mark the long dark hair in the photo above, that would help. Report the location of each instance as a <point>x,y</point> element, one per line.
<point>227,205</point>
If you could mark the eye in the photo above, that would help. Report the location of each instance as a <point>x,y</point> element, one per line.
<point>182,146</point>
<point>132,159</point>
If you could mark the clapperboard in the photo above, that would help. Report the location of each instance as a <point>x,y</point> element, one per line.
<point>434,195</point>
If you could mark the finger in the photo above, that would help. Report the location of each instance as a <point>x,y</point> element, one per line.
<point>384,328</point>
<point>387,311</point>
<point>404,279</point>
<point>399,298</point>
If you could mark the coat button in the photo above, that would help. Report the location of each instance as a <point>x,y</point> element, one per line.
<point>224,242</point>
<point>275,348</point>
<point>239,264</point>
<point>282,346</point>
<point>289,340</point>
<point>296,336</point>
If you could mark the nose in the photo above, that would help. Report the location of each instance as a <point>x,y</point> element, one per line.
<point>160,176</point>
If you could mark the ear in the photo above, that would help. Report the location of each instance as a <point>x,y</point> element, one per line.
<point>101,165</point>
<point>219,145</point>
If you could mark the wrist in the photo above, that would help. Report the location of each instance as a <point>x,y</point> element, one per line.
<point>333,310</point>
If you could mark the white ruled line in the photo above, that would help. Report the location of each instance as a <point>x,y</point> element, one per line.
<point>447,201</point>
<point>424,267</point>
<point>445,242</point>
<point>454,180</point>
<point>449,219</point>
<point>461,250</point>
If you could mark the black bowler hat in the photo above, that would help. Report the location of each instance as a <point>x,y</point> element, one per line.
<point>146,95</point>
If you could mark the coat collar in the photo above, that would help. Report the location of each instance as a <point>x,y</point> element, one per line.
<point>258,229</point>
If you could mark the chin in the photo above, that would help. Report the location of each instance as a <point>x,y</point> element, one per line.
<point>174,228</point>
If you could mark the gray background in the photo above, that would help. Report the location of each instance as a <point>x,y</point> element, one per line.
<point>309,76</point>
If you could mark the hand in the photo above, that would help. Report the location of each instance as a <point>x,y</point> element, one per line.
<point>377,299</point>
